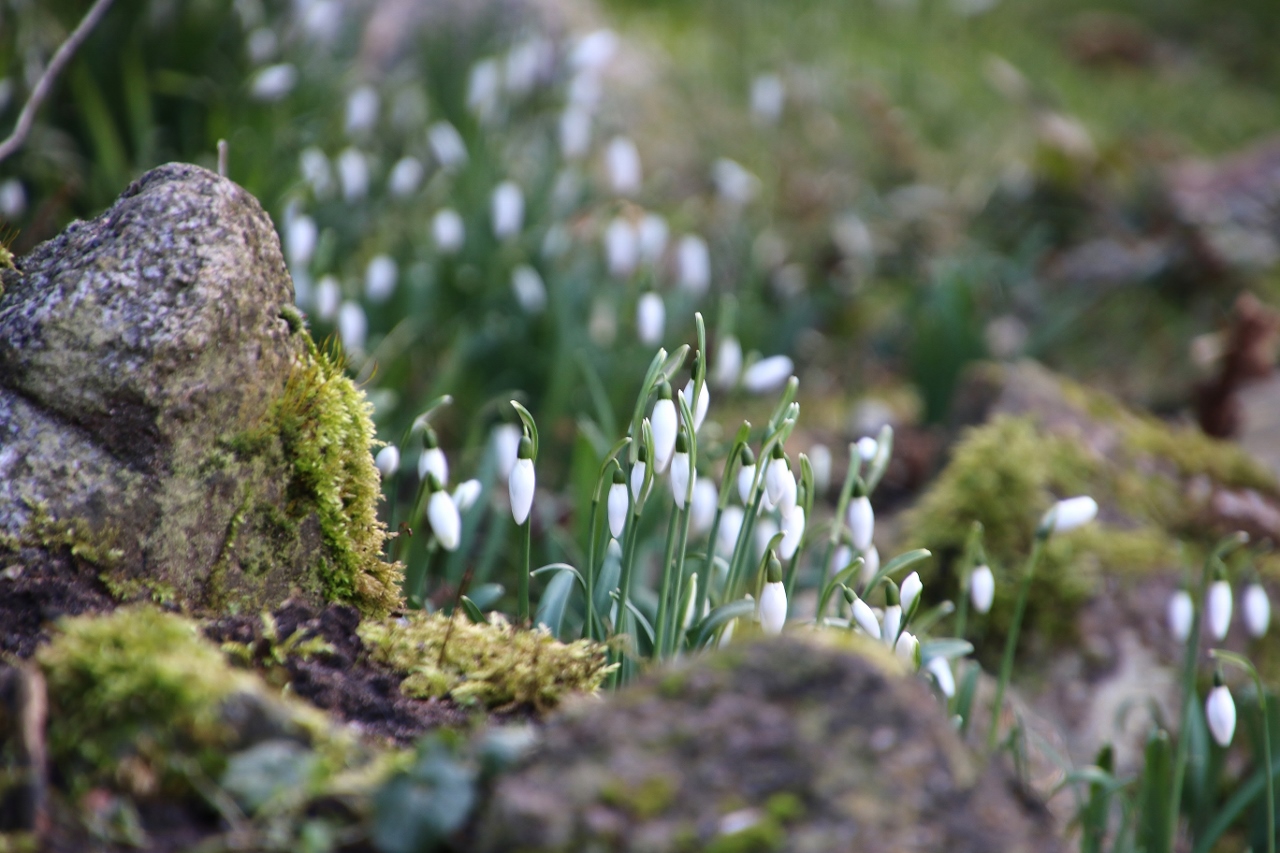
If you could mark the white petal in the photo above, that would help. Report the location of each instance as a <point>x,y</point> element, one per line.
<point>621,247</point>
<point>664,434</point>
<point>466,493</point>
<point>700,405</point>
<point>820,461</point>
<point>766,529</point>
<point>940,669</point>
<point>651,319</point>
<point>705,500</point>
<point>693,262</point>
<point>730,526</point>
<point>768,374</point>
<point>1257,610</point>
<point>1072,513</point>
<point>433,461</point>
<point>521,487</point>
<point>773,608</point>
<point>353,326</point>
<point>637,480</point>
<point>1218,609</point>
<point>622,162</point>
<point>388,460</point>
<point>862,522</point>
<point>680,475</point>
<point>380,278</point>
<point>617,508</point>
<point>728,363</point>
<point>1220,711</point>
<point>905,648</point>
<point>445,524</point>
<point>891,624</point>
<point>780,481</point>
<point>529,289</point>
<point>507,210</point>
<point>447,145</point>
<point>911,588</point>
<point>746,478</point>
<point>448,231</point>
<point>982,588</point>
<point>506,446</point>
<point>653,233</point>
<point>792,532</point>
<point>870,565</point>
<point>866,618</point>
<point>1181,614</point>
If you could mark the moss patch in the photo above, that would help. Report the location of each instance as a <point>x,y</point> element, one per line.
<point>489,664</point>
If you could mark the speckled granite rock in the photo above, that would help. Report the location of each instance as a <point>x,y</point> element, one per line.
<point>794,743</point>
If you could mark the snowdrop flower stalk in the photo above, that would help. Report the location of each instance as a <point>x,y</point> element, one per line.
<point>773,599</point>
<point>521,486</point>
<point>1220,713</point>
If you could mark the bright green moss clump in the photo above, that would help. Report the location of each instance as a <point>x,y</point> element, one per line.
<point>489,664</point>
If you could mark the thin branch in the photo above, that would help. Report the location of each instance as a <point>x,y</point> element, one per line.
<point>60,59</point>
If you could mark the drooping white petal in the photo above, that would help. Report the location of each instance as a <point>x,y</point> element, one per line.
<point>362,110</point>
<point>506,446</point>
<point>621,247</point>
<point>448,231</point>
<point>700,405</point>
<point>575,132</point>
<point>328,297</point>
<point>447,146</point>
<point>905,649</point>
<point>982,588</point>
<point>618,507</point>
<point>730,526</point>
<point>768,374</point>
<point>664,424</point>
<point>1218,609</point>
<point>507,210</point>
<point>705,499</point>
<point>353,174</point>
<point>353,326</point>
<point>1072,513</point>
<point>768,94</point>
<point>300,241</point>
<point>746,478</point>
<point>405,178</point>
<point>693,265</point>
<point>521,486</point>
<point>820,461</point>
<point>1180,615</point>
<point>780,482</point>
<point>680,476</point>
<point>433,461</point>
<point>653,233</point>
<point>273,82</point>
<point>773,607</point>
<point>622,162</point>
<point>870,565</point>
<point>867,447</point>
<point>792,531</point>
<point>940,669</point>
<point>1220,711</point>
<point>891,624</point>
<point>911,589</point>
<point>637,480</point>
<point>728,363</point>
<point>388,460</point>
<point>866,618</point>
<point>1257,610</point>
<point>766,528</point>
<point>529,289</point>
<point>862,522</point>
<point>380,278</point>
<point>466,493</point>
<point>651,319</point>
<point>445,524</point>
<point>841,560</point>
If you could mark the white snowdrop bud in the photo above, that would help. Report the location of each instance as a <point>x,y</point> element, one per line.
<point>353,175</point>
<point>1220,711</point>
<point>353,326</point>
<point>618,503</point>
<point>273,83</point>
<point>447,146</point>
<point>466,493</point>
<point>575,132</point>
<point>651,318</point>
<point>767,98</point>
<point>300,241</point>
<point>362,110</point>
<point>622,162</point>
<point>405,178</point>
<point>652,234</point>
<point>521,483</point>
<point>982,588</point>
<point>728,363</point>
<point>638,472</point>
<point>1257,610</point>
<point>529,289</point>
<point>1069,514</point>
<point>315,169</point>
<point>506,446</point>
<point>867,447</point>
<point>681,472</point>
<point>432,462</point>
<point>446,526</point>
<point>1218,609</point>
<point>664,423</point>
<point>691,608</point>
<point>328,297</point>
<point>940,669</point>
<point>1181,612</point>
<point>594,50</point>
<point>700,405</point>
<point>730,525</point>
<point>865,617</point>
<point>906,649</point>
<point>448,231</point>
<point>621,247</point>
<point>891,624</point>
<point>484,87</point>
<point>768,374</point>
<point>388,460</point>
<point>693,265</point>
<point>705,499</point>
<point>792,531</point>
<point>779,481</point>
<point>773,607</point>
<point>820,461</point>
<point>746,475</point>
<point>380,278</point>
<point>862,522</point>
<point>911,589</point>
<point>507,210</point>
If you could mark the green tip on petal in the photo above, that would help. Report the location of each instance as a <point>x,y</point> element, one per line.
<point>526,448</point>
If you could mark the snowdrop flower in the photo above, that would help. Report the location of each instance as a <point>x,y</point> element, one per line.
<point>575,132</point>
<point>506,447</point>
<point>405,178</point>
<point>779,481</point>
<point>728,362</point>
<point>651,318</point>
<point>792,531</point>
<point>507,208</point>
<point>736,185</point>
<point>1257,610</point>
<point>388,460</point>
<point>1180,614</point>
<point>300,240</point>
<point>621,247</point>
<point>705,500</point>
<point>767,98</point>
<point>432,462</point>
<point>730,526</point>
<point>982,588</point>
<point>446,526</point>
<point>693,264</point>
<point>862,521</point>
<point>618,503</point>
<point>867,448</point>
<point>907,649</point>
<point>865,617</point>
<point>1220,711</point>
<point>891,623</point>
<point>911,588</point>
<point>746,475</point>
<point>594,50</point>
<point>530,292</point>
<point>841,559</point>
<point>681,472</point>
<point>362,110</point>
<point>353,175</point>
<point>820,461</point>
<point>466,493</point>
<point>315,169</point>
<point>328,297</point>
<point>353,326</point>
<point>521,483</point>
<point>448,231</point>
<point>484,85</point>
<point>273,83</point>
<point>526,63</point>
<point>652,233</point>
<point>622,162</point>
<point>940,669</point>
<point>1068,515</point>
<point>13,199</point>
<point>322,19</point>
<point>766,529</point>
<point>768,374</point>
<point>773,599</point>
<point>870,565</point>
<point>380,278</point>
<point>447,146</point>
<point>664,426</point>
<point>261,45</point>
<point>690,609</point>
<point>700,405</point>
<point>1218,609</point>
<point>584,90</point>
<point>638,473</point>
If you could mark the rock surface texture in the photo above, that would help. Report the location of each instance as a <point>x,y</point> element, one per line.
<point>785,744</point>
<point>146,357</point>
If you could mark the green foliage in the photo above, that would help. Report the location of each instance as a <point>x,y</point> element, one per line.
<point>489,664</point>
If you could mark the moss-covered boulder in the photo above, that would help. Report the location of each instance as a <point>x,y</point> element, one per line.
<point>167,426</point>
<point>796,743</point>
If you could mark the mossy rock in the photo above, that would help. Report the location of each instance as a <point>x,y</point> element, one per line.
<point>167,424</point>
<point>1166,493</point>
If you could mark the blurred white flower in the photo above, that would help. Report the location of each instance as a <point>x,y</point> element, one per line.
<point>768,374</point>
<point>433,463</point>
<point>380,278</point>
<point>865,617</point>
<point>746,480</point>
<point>1218,609</point>
<point>447,146</point>
<point>982,588</point>
<point>940,669</point>
<point>651,318</point>
<point>852,237</point>
<point>301,289</point>
<point>300,238</point>
<point>602,326</point>
<point>703,513</point>
<point>1181,614</point>
<point>594,50</point>
<point>527,63</point>
<point>261,45</point>
<point>664,424</point>
<point>506,444</point>
<point>328,297</point>
<point>870,565</point>
<point>906,649</point>
<point>1071,513</point>
<point>484,89</point>
<point>575,132</point>
<point>681,473</point>
<point>767,98</point>
<point>622,162</point>
<point>621,247</point>
<point>466,493</point>
<point>699,406</point>
<point>446,526</point>
<point>507,210</point>
<point>862,522</point>
<point>773,607</point>
<point>730,525</point>
<point>728,363</point>
<point>652,234</point>
<point>1220,712</point>
<point>362,110</point>
<point>352,326</point>
<point>314,166</point>
<point>792,531</point>
<point>911,589</point>
<point>693,264</point>
<point>841,559</point>
<point>556,242</point>
<point>585,90</point>
<point>521,486</point>
<point>353,174</point>
<point>766,529</point>
<point>779,481</point>
<point>891,624</point>
<point>447,231</point>
<point>735,184</point>
<point>1257,610</point>
<point>321,19</point>
<point>405,178</point>
<point>529,289</point>
<point>388,460</point>
<point>867,448</point>
<point>273,83</point>
<point>820,462</point>
<point>618,503</point>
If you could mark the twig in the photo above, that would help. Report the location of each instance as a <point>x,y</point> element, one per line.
<point>61,57</point>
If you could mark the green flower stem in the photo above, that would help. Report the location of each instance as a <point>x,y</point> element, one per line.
<point>792,571</point>
<point>742,548</point>
<point>664,591</point>
<point>968,565</point>
<point>632,534</point>
<point>673,635</point>
<point>842,507</point>
<point>416,580</point>
<point>1011,644</point>
<point>709,569</point>
<point>593,536</point>
<point>526,542</point>
<point>1241,662</point>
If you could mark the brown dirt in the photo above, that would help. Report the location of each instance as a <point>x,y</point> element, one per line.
<point>31,602</point>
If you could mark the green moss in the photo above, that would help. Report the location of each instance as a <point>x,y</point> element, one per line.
<point>490,664</point>
<point>644,800</point>
<point>75,537</point>
<point>784,807</point>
